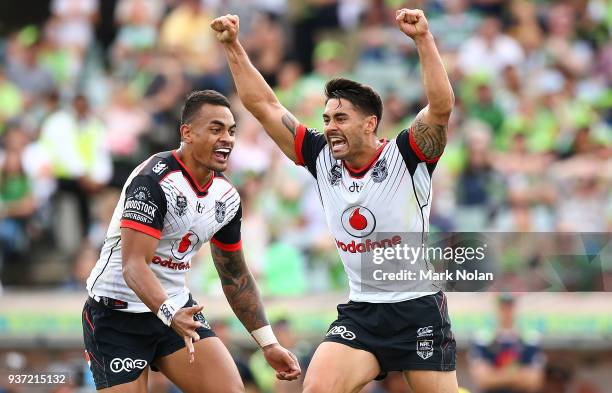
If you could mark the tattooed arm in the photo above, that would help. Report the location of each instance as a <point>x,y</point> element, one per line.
<point>239,287</point>
<point>243,296</point>
<point>253,90</point>
<point>429,127</point>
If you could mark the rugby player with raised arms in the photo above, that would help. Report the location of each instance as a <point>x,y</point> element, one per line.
<point>368,187</point>
<point>139,313</point>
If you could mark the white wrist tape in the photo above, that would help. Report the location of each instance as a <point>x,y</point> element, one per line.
<point>264,336</point>
<point>166,312</point>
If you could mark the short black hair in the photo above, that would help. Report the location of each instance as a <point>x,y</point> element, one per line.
<point>363,97</point>
<point>196,99</point>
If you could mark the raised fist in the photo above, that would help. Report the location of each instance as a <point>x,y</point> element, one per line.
<point>226,28</point>
<point>411,22</point>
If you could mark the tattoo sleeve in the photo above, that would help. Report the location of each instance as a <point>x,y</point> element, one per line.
<point>430,138</point>
<point>239,287</point>
<point>290,123</point>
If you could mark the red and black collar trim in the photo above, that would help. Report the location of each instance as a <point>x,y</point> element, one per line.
<point>360,172</point>
<point>198,189</point>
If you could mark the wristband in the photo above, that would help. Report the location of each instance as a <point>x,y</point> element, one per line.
<point>264,336</point>
<point>166,312</point>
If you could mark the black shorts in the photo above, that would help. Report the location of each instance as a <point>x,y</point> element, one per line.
<point>120,345</point>
<point>410,335</point>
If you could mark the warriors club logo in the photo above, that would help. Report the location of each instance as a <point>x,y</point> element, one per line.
<point>181,205</point>
<point>358,221</point>
<point>334,175</point>
<point>185,245</point>
<point>380,172</point>
<point>219,211</point>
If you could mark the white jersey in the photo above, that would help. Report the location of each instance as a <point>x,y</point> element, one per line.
<point>384,204</point>
<point>162,199</point>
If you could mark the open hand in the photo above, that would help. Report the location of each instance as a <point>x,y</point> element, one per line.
<point>185,326</point>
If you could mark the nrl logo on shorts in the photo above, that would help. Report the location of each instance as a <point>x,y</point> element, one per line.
<point>425,349</point>
<point>219,211</point>
<point>335,174</point>
<point>181,205</point>
<point>379,172</point>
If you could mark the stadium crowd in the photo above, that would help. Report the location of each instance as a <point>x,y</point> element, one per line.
<point>94,90</point>
<point>97,88</point>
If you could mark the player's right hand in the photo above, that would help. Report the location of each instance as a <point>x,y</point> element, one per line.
<point>185,326</point>
<point>226,28</point>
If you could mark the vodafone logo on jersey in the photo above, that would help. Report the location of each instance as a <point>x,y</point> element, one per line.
<point>358,221</point>
<point>185,245</point>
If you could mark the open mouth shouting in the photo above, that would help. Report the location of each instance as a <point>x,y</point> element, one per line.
<point>337,144</point>
<point>222,154</point>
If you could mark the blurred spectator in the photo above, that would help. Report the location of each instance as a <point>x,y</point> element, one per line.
<point>455,25</point>
<point>506,361</point>
<point>17,204</point>
<point>266,42</point>
<point>25,71</point>
<point>138,21</point>
<point>485,108</point>
<point>11,100</point>
<point>73,22</point>
<point>74,139</point>
<point>528,144</point>
<point>160,82</point>
<point>525,27</point>
<point>490,50</point>
<point>125,122</point>
<point>185,32</point>
<point>562,45</point>
<point>477,181</point>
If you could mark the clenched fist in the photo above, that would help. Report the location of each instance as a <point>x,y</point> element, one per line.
<point>412,22</point>
<point>226,28</point>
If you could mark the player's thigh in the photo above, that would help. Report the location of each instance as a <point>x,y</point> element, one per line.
<point>428,381</point>
<point>213,370</point>
<point>338,368</point>
<point>139,385</point>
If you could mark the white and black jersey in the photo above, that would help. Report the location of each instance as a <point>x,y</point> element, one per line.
<point>373,206</point>
<point>162,199</point>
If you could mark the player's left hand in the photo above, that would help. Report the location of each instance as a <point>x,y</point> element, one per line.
<point>283,361</point>
<point>412,22</point>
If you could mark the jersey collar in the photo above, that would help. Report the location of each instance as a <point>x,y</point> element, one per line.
<point>197,188</point>
<point>360,172</point>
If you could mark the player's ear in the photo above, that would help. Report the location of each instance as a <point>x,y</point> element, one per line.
<point>371,123</point>
<point>186,132</point>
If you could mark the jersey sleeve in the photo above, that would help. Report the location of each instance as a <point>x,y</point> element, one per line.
<point>145,206</point>
<point>228,238</point>
<point>411,153</point>
<point>308,145</point>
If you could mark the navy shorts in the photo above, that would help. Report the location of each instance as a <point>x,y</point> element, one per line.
<point>120,345</point>
<point>410,335</point>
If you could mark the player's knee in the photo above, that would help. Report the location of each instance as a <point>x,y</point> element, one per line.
<point>227,386</point>
<point>233,387</point>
